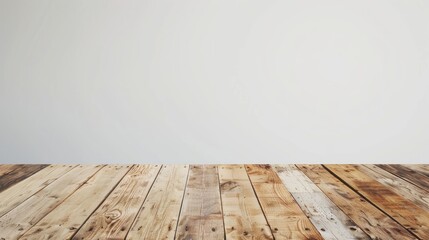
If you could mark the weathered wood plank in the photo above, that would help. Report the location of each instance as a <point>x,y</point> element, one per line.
<point>7,168</point>
<point>65,220</point>
<point>324,214</point>
<point>160,212</point>
<point>201,213</point>
<point>422,168</point>
<point>285,217</point>
<point>404,188</point>
<point>16,222</point>
<point>114,217</point>
<point>416,178</point>
<point>15,195</point>
<point>409,215</point>
<point>243,216</point>
<point>369,218</point>
<point>19,173</point>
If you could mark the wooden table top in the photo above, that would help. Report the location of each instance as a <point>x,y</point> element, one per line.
<point>214,202</point>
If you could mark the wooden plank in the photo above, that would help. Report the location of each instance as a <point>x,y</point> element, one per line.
<point>236,172</point>
<point>404,188</point>
<point>409,215</point>
<point>7,168</point>
<point>15,195</point>
<point>160,212</point>
<point>416,178</point>
<point>114,217</point>
<point>285,217</point>
<point>422,168</point>
<point>16,222</point>
<point>201,213</point>
<point>66,219</point>
<point>243,216</point>
<point>370,219</point>
<point>324,214</point>
<point>19,173</point>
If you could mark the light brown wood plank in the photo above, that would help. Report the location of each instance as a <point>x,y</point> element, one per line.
<point>374,222</point>
<point>16,222</point>
<point>243,216</point>
<point>15,195</point>
<point>331,222</point>
<point>404,188</point>
<point>416,178</point>
<point>160,212</point>
<point>201,213</point>
<point>235,171</point>
<point>114,217</point>
<point>409,215</point>
<point>19,173</point>
<point>285,217</point>
<point>66,219</point>
<point>7,168</point>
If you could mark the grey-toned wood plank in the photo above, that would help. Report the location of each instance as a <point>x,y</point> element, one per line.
<point>331,222</point>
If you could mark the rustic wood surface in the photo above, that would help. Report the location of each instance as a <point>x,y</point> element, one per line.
<point>325,215</point>
<point>415,177</point>
<point>14,174</point>
<point>113,219</point>
<point>160,212</point>
<point>362,212</point>
<point>201,214</point>
<point>283,214</point>
<point>243,216</point>
<point>398,207</point>
<point>214,202</point>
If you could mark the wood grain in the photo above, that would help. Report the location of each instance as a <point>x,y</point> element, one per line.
<point>159,214</point>
<point>15,195</point>
<point>243,216</point>
<point>16,222</point>
<point>18,173</point>
<point>201,214</point>
<point>405,212</point>
<point>114,217</point>
<point>214,202</point>
<point>7,168</point>
<point>422,168</point>
<point>416,178</point>
<point>324,214</point>
<point>66,219</point>
<point>285,217</point>
<point>370,219</point>
<point>410,191</point>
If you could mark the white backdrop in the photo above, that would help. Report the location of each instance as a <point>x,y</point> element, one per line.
<point>214,81</point>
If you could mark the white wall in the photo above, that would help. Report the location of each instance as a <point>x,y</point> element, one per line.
<point>197,81</point>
